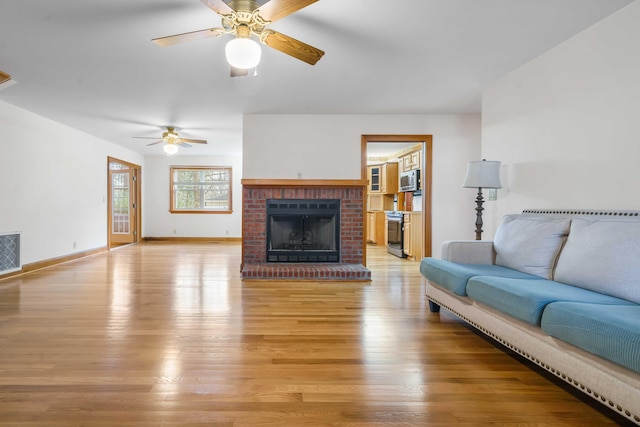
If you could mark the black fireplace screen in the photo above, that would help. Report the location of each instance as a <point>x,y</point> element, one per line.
<point>303,230</point>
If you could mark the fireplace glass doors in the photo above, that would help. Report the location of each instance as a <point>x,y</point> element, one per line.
<point>300,230</point>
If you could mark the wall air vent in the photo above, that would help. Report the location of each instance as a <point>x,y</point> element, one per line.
<point>9,252</point>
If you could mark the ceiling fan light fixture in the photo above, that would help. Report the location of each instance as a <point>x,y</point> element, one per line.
<point>243,53</point>
<point>170,149</point>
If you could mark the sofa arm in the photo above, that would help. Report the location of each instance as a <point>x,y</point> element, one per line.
<point>469,251</point>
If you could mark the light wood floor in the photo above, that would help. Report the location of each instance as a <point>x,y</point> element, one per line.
<point>162,334</point>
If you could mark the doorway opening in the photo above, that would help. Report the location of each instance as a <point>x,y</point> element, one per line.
<point>123,206</point>
<point>403,200</point>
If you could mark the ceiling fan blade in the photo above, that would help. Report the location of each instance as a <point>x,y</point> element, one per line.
<point>185,37</point>
<point>218,6</point>
<point>154,143</point>
<point>194,141</point>
<point>238,72</point>
<point>184,144</point>
<point>4,77</point>
<point>293,47</point>
<point>278,9</point>
<point>145,137</point>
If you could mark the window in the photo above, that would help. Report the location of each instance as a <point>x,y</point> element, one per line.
<point>200,189</point>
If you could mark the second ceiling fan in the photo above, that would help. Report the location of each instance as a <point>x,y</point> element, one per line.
<point>245,19</point>
<point>172,141</point>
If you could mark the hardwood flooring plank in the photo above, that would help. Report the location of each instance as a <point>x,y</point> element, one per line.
<point>167,334</point>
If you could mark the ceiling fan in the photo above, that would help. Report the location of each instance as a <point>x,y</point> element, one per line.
<point>172,141</point>
<point>245,19</point>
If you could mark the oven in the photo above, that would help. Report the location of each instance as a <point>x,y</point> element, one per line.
<point>395,234</point>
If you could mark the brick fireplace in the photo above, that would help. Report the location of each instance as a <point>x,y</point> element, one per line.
<point>351,193</point>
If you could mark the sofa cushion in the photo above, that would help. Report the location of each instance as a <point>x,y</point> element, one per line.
<point>526,299</point>
<point>611,332</point>
<point>453,276</point>
<point>530,245</point>
<point>602,256</point>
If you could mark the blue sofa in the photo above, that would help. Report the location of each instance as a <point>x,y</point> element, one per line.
<point>561,288</point>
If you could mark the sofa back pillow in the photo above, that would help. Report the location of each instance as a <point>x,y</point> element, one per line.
<point>530,245</point>
<point>602,256</point>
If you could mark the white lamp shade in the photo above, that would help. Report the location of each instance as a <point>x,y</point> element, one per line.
<point>170,149</point>
<point>243,53</point>
<point>482,174</point>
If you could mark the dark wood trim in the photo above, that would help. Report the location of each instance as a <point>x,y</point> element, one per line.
<point>250,182</point>
<point>363,176</point>
<point>59,260</point>
<point>194,239</point>
<point>39,265</point>
<point>12,274</point>
<point>427,193</point>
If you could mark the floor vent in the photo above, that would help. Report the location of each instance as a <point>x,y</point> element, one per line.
<point>9,252</point>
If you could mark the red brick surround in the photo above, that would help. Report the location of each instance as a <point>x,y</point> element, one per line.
<point>254,252</point>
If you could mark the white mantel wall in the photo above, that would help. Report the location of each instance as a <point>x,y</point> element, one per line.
<point>53,184</point>
<point>329,147</point>
<point>565,124</point>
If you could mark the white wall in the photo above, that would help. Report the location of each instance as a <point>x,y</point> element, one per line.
<point>328,147</point>
<point>53,184</point>
<point>565,124</point>
<point>159,222</point>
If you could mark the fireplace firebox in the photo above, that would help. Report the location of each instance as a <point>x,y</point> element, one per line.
<point>303,230</point>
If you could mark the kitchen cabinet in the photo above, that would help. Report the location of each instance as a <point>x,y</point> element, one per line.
<point>389,178</point>
<point>383,178</point>
<point>412,223</point>
<point>407,235</point>
<point>373,176</point>
<point>383,185</point>
<point>380,202</point>
<point>376,229</point>
<point>410,161</point>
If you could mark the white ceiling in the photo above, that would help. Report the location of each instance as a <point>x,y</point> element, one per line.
<point>91,65</point>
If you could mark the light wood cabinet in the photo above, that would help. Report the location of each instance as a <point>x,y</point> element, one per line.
<point>376,229</point>
<point>373,176</point>
<point>380,202</point>
<point>415,160</point>
<point>371,227</point>
<point>412,222</point>
<point>383,178</point>
<point>389,178</point>
<point>407,248</point>
<point>410,161</point>
<point>383,185</point>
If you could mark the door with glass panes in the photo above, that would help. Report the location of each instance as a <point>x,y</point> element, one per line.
<point>123,202</point>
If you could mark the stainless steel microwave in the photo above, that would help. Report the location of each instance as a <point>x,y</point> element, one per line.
<point>410,180</point>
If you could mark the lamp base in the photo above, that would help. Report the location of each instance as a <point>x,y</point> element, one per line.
<point>479,209</point>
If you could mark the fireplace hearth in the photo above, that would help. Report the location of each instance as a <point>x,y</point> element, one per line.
<point>303,230</point>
